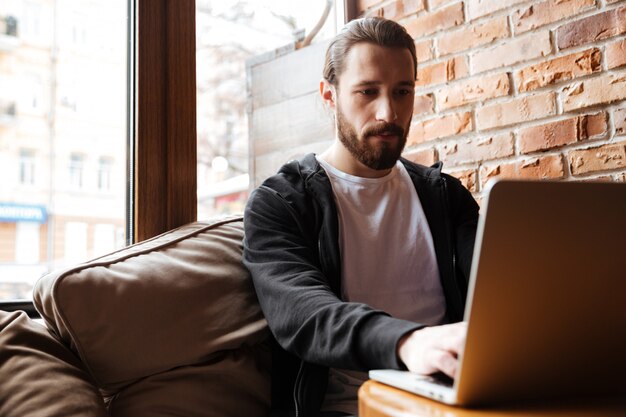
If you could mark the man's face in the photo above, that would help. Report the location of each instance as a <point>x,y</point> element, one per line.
<point>374,104</point>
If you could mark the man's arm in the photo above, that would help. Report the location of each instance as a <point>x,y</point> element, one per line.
<point>305,316</point>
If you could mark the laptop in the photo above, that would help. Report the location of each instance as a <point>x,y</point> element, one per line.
<point>546,308</point>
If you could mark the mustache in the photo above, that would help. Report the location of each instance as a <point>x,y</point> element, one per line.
<point>385,129</point>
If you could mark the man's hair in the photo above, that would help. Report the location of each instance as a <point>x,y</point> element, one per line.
<point>376,30</point>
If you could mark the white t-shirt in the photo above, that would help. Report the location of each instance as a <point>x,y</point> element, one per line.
<point>388,259</point>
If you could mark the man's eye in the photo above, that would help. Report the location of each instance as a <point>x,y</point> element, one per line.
<point>368,92</point>
<point>404,92</point>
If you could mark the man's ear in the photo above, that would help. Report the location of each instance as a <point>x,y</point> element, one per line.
<point>328,93</point>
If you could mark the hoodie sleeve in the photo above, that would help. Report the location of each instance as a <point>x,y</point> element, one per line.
<point>305,316</point>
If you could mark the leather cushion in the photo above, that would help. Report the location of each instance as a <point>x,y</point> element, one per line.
<point>222,387</point>
<point>178,300</point>
<point>39,376</point>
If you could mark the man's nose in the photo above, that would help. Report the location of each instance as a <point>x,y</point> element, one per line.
<point>385,110</point>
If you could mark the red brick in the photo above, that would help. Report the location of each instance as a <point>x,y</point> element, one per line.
<point>605,89</point>
<point>442,19</point>
<point>555,134</point>
<point>473,36</point>
<point>602,158</point>
<point>467,177</point>
<point>442,72</point>
<point>615,54</point>
<point>547,136</point>
<point>424,157</point>
<point>516,50</point>
<point>540,14</point>
<point>560,69</point>
<point>435,4</point>
<point>592,29</point>
<point>401,8</point>
<point>543,167</point>
<point>519,110</point>
<point>479,8</point>
<point>424,51</point>
<point>423,104</point>
<point>477,149</point>
<point>592,126</point>
<point>474,89</point>
<point>619,121</point>
<point>448,125</point>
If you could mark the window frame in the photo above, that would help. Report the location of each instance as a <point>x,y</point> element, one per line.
<point>162,191</point>
<point>161,120</point>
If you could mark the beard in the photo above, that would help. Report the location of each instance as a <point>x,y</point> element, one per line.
<point>377,156</point>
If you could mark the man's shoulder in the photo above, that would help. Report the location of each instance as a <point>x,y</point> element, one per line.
<point>293,174</point>
<point>288,192</point>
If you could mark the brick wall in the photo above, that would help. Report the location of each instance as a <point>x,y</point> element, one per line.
<point>510,88</point>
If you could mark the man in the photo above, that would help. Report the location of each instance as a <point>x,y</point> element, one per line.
<point>360,258</point>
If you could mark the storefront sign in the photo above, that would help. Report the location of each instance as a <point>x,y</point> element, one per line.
<point>12,212</point>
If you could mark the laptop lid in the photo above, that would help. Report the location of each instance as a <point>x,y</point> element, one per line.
<point>546,306</point>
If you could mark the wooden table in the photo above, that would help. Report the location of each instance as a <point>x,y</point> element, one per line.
<point>380,400</point>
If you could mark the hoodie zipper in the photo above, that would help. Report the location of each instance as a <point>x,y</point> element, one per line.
<point>296,388</point>
<point>447,220</point>
<point>446,205</point>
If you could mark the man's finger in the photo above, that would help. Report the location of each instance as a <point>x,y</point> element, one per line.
<point>446,362</point>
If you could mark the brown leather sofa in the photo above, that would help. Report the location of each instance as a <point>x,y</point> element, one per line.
<point>167,327</point>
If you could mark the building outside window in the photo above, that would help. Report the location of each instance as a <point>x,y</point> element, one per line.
<point>105,167</point>
<point>75,242</point>
<point>27,167</point>
<point>27,233</point>
<point>76,170</point>
<point>104,238</point>
<point>32,19</point>
<point>73,56</point>
<point>49,213</point>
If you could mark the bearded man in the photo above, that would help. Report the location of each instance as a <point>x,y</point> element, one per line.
<point>360,258</point>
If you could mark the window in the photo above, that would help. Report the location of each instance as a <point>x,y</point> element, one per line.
<point>75,247</point>
<point>76,168</point>
<point>32,20</point>
<point>63,135</point>
<point>230,32</point>
<point>27,243</point>
<point>27,167</point>
<point>79,29</point>
<point>103,239</point>
<point>163,115</point>
<point>104,173</point>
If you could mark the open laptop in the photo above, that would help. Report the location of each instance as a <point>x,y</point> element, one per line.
<point>546,308</point>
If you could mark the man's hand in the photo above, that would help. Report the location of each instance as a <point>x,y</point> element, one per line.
<point>433,349</point>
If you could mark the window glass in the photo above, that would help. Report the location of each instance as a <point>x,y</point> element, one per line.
<point>76,171</point>
<point>25,251</point>
<point>104,173</point>
<point>27,167</point>
<point>75,238</point>
<point>63,140</point>
<point>229,32</point>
